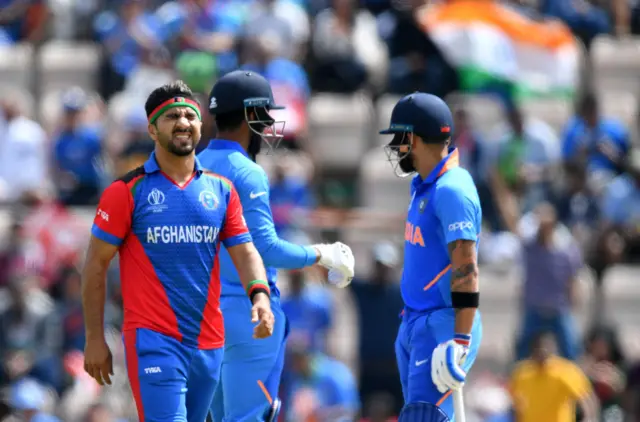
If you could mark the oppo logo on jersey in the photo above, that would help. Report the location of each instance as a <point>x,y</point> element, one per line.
<point>182,234</point>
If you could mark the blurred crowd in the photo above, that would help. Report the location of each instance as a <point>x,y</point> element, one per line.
<point>554,201</point>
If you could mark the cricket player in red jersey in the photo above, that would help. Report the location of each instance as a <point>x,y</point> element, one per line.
<point>166,219</point>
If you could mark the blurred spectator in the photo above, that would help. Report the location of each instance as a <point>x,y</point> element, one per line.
<point>78,149</point>
<point>23,20</point>
<point>70,310</point>
<point>380,408</point>
<point>129,36</point>
<point>585,19</point>
<point>379,304</point>
<point>551,265</point>
<point>605,366</point>
<point>289,196</point>
<point>27,400</point>
<point>309,311</point>
<point>632,394</point>
<point>206,32</point>
<point>100,413</point>
<point>136,144</point>
<point>594,147</point>
<point>618,238</point>
<point>546,387</point>
<point>24,146</point>
<point>524,167</point>
<point>347,51</point>
<point>416,62</point>
<point>29,334</point>
<point>289,83</point>
<point>320,388</point>
<point>14,258</point>
<point>284,20</point>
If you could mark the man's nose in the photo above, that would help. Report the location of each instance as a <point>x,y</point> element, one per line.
<point>183,122</point>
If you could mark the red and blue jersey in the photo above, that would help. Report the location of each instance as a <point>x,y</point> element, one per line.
<point>169,242</point>
<point>444,207</point>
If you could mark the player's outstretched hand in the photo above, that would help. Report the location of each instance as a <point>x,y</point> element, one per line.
<point>447,361</point>
<point>338,258</point>
<point>262,314</point>
<point>98,361</point>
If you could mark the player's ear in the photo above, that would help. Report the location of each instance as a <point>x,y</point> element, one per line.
<point>153,131</point>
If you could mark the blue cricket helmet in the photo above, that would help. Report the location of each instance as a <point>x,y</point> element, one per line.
<point>239,90</point>
<point>426,115</point>
<point>247,91</point>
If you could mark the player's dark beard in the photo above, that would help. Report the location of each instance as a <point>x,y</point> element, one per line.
<point>181,151</point>
<point>406,164</point>
<point>255,145</point>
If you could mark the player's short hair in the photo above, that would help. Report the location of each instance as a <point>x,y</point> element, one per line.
<point>230,120</point>
<point>165,92</point>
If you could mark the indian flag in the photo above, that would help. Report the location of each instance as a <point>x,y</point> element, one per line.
<point>491,44</point>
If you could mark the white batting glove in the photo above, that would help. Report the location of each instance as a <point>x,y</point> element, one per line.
<point>338,258</point>
<point>446,363</point>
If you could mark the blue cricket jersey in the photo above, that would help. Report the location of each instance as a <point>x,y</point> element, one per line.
<point>229,159</point>
<point>444,208</point>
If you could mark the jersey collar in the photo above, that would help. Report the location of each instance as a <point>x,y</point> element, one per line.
<point>452,160</point>
<point>151,165</point>
<point>224,144</point>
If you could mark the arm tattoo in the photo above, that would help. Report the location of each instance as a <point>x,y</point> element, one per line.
<point>464,274</point>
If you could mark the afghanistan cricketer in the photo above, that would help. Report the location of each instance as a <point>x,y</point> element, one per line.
<point>167,219</point>
<point>441,330</point>
<point>251,369</point>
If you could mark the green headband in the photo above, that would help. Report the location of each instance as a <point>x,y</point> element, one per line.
<point>172,103</point>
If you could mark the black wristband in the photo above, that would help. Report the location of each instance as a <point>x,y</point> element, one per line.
<point>461,300</point>
<point>257,290</point>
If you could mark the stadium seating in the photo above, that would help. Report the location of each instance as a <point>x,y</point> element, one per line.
<point>554,111</point>
<point>339,129</point>
<point>64,64</point>
<point>616,63</point>
<point>384,107</point>
<point>485,111</point>
<point>16,64</point>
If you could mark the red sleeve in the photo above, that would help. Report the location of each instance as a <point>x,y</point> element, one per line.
<point>234,224</point>
<point>113,217</point>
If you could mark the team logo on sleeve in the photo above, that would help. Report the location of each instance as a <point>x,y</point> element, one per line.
<point>209,200</point>
<point>156,200</point>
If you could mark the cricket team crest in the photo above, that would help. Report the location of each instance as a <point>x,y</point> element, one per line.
<point>209,200</point>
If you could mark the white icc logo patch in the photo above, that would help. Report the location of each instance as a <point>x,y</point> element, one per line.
<point>213,103</point>
<point>156,200</point>
<point>460,225</point>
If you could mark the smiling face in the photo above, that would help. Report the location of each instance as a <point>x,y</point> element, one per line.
<point>177,130</point>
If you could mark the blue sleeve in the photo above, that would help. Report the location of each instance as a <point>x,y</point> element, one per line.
<point>621,136</point>
<point>275,252</point>
<point>457,213</point>
<point>569,141</point>
<point>613,203</point>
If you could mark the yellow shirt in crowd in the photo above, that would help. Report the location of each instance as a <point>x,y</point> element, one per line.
<point>549,392</point>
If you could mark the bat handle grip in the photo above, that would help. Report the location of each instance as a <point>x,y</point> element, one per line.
<point>458,406</point>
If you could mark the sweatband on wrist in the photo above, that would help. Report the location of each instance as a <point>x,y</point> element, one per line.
<point>173,103</point>
<point>462,339</point>
<point>258,286</point>
<point>461,300</point>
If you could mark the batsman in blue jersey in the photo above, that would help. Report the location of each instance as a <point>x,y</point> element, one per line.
<point>440,333</point>
<point>251,368</point>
